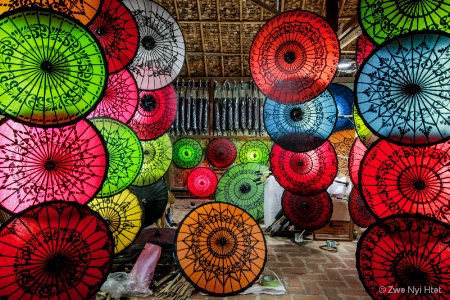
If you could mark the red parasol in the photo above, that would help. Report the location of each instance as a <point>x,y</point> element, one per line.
<point>202,182</point>
<point>155,113</point>
<point>405,257</point>
<point>358,210</point>
<point>304,173</point>
<point>39,165</point>
<point>399,179</point>
<point>54,250</point>
<point>221,152</point>
<point>117,32</point>
<point>307,212</point>
<point>355,156</point>
<point>294,57</point>
<point>120,99</point>
<point>364,48</point>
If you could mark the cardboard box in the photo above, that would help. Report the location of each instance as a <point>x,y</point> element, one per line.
<point>335,230</point>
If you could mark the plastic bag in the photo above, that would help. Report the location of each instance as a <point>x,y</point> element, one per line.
<point>123,284</point>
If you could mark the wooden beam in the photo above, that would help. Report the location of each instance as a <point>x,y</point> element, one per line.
<point>266,7</point>
<point>222,64</point>
<point>176,9</point>
<point>282,6</point>
<point>241,33</point>
<point>202,37</point>
<point>331,14</point>
<point>222,22</point>
<point>349,26</point>
<point>350,37</point>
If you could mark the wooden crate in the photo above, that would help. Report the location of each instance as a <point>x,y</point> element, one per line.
<point>335,230</point>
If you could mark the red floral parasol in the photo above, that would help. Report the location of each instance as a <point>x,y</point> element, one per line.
<point>155,113</point>
<point>364,48</point>
<point>294,57</point>
<point>221,152</point>
<point>304,173</point>
<point>358,210</point>
<point>202,182</point>
<point>355,156</point>
<point>39,165</point>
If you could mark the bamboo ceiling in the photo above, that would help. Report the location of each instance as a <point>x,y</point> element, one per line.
<point>219,33</point>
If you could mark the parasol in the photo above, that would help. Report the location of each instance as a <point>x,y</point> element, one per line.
<point>54,250</point>
<point>124,215</point>
<point>154,197</point>
<point>161,52</point>
<point>307,212</point>
<point>53,70</point>
<point>117,32</point>
<point>221,152</point>
<point>342,142</point>
<point>155,113</point>
<point>187,153</point>
<point>202,182</point>
<point>39,165</point>
<point>311,122</point>
<point>407,255</point>
<point>254,151</point>
<point>84,11</point>
<point>358,210</point>
<point>241,185</point>
<point>364,48</point>
<point>385,20</point>
<point>157,158</point>
<point>304,173</point>
<point>398,179</point>
<point>344,102</point>
<point>124,155</point>
<point>365,135</point>
<point>355,156</point>
<point>220,248</point>
<point>294,57</point>
<point>401,89</point>
<point>120,99</point>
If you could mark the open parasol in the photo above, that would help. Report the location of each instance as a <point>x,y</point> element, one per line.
<point>364,48</point>
<point>157,155</point>
<point>365,135</point>
<point>401,89</point>
<point>359,213</point>
<point>39,165</point>
<point>342,142</point>
<point>398,179</point>
<point>354,160</point>
<point>120,100</point>
<point>294,57</point>
<point>155,113</point>
<point>221,152</point>
<point>344,102</point>
<point>124,215</point>
<point>124,155</point>
<point>254,151</point>
<point>154,197</point>
<point>117,32</point>
<point>241,185</point>
<point>161,51</point>
<point>385,20</point>
<point>187,153</point>
<point>48,81</point>
<point>408,255</point>
<point>54,250</point>
<point>220,248</point>
<point>202,182</point>
<point>304,173</point>
<point>311,122</point>
<point>307,212</point>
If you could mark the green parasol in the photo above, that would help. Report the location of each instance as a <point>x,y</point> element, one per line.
<point>365,135</point>
<point>187,153</point>
<point>254,151</point>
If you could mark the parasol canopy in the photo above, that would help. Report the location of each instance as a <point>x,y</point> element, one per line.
<point>364,48</point>
<point>307,212</point>
<point>344,102</point>
<point>155,113</point>
<point>242,185</point>
<point>385,20</point>
<point>358,210</point>
<point>39,165</point>
<point>124,215</point>
<point>405,252</point>
<point>124,155</point>
<point>161,51</point>
<point>54,250</point>
<point>398,179</point>
<point>254,151</point>
<point>304,173</point>
<point>220,248</point>
<point>187,153</point>
<point>401,89</point>
<point>202,182</point>
<point>117,32</point>
<point>301,127</point>
<point>294,57</point>
<point>53,69</point>
<point>154,198</point>
<point>221,152</point>
<point>342,142</point>
<point>354,159</point>
<point>157,155</point>
<point>120,100</point>
<point>365,135</point>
